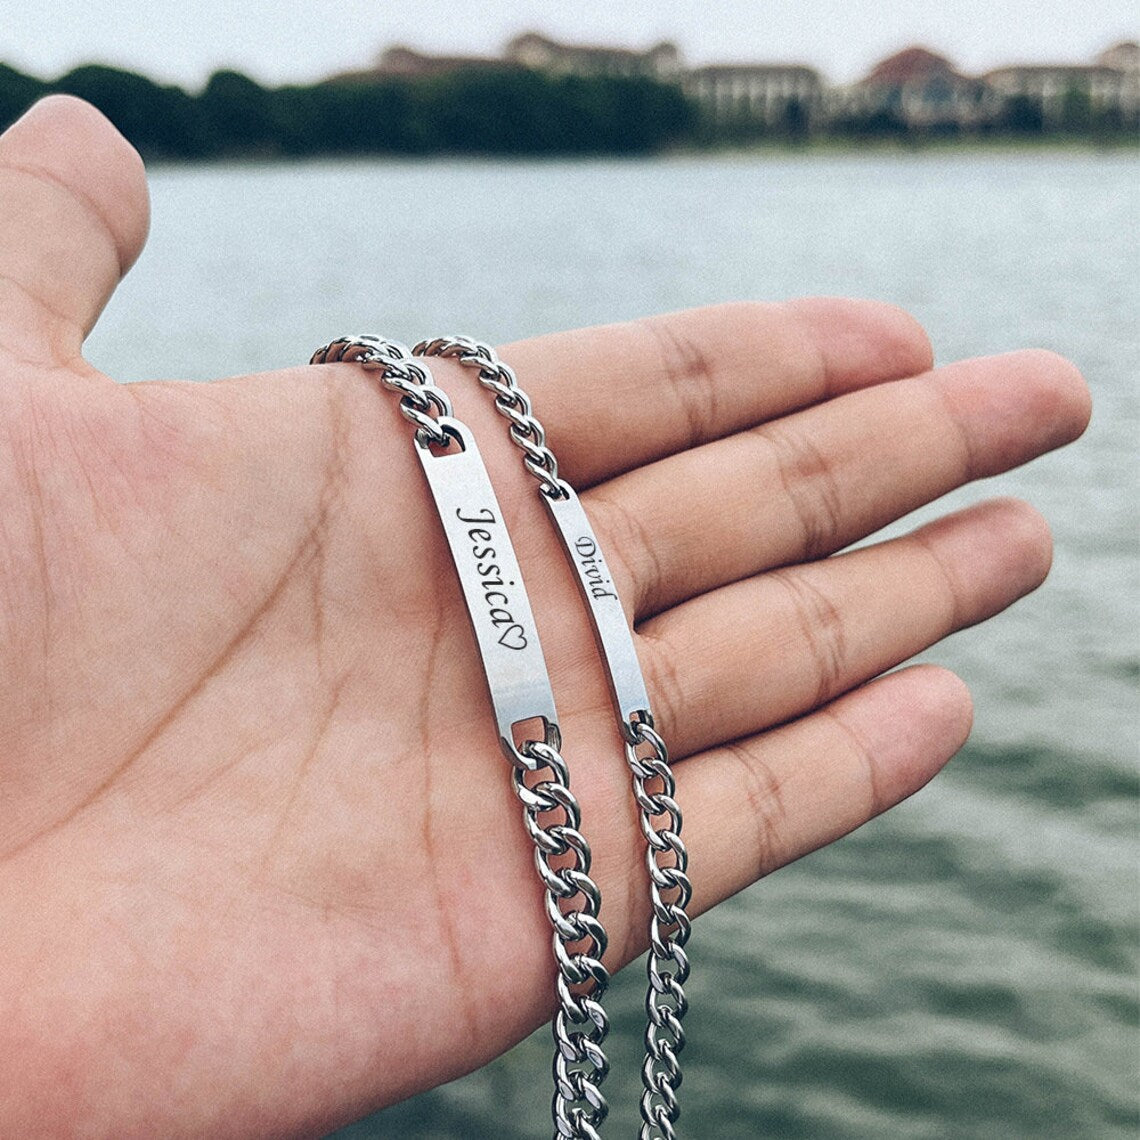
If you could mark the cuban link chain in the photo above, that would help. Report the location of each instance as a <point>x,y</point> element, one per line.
<point>520,691</point>
<point>648,758</point>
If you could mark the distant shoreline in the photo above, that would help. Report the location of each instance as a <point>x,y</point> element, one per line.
<point>934,145</point>
<point>815,148</point>
<point>523,114</point>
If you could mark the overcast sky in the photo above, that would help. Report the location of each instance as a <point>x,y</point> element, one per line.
<point>301,40</point>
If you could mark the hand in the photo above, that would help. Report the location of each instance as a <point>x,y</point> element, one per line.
<point>261,868</point>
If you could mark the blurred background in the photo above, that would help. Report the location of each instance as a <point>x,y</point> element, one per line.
<point>965,966</point>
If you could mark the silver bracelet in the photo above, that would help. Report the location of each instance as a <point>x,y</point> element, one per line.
<point>519,685</point>
<point>646,753</point>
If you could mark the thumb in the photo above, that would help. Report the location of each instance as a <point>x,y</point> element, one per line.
<point>74,214</point>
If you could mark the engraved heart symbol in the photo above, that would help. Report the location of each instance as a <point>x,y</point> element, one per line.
<point>513,637</point>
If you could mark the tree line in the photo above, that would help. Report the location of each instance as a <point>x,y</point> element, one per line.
<point>475,112</point>
<point>497,111</point>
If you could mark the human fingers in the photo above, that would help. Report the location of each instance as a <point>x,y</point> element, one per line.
<point>756,804</point>
<point>808,484</point>
<point>765,650</point>
<point>615,397</point>
<point>74,220</point>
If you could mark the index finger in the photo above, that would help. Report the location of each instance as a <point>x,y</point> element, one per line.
<point>618,396</point>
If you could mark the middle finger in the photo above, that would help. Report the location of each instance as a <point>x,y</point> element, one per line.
<point>804,486</point>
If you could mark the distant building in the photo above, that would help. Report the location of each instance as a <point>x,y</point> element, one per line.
<point>915,89</point>
<point>661,62</point>
<point>400,62</point>
<point>1111,84</point>
<point>918,89</point>
<point>1121,57</point>
<point>768,94</point>
<point>407,63</point>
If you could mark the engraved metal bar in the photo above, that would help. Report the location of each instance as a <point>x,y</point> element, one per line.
<point>611,630</point>
<point>492,584</point>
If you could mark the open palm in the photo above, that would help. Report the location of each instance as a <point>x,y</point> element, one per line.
<point>261,868</point>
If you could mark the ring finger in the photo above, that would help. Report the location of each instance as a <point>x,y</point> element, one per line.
<point>766,650</point>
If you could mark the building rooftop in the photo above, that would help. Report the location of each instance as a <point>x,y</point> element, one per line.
<point>913,63</point>
<point>537,39</point>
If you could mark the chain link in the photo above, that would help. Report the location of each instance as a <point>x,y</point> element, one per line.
<point>668,965</point>
<point>512,402</point>
<point>653,784</point>
<point>421,402</point>
<point>562,858</point>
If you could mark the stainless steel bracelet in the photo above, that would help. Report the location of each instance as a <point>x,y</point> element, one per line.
<point>646,753</point>
<point>520,691</point>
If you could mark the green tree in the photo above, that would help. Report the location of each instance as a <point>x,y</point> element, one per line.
<point>796,120</point>
<point>158,120</point>
<point>497,112</point>
<point>1023,115</point>
<point>351,117</point>
<point>1076,110</point>
<point>518,111</point>
<point>17,93</point>
<point>237,115</point>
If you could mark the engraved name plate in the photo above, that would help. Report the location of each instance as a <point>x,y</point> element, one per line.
<point>492,583</point>
<point>611,630</point>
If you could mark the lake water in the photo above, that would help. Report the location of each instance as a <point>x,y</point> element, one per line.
<point>965,966</point>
